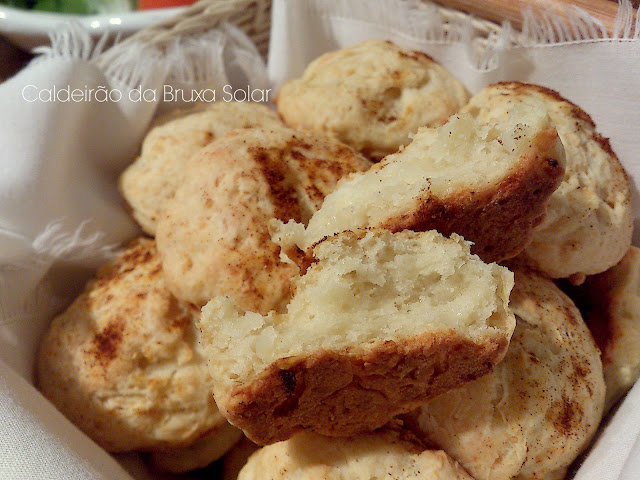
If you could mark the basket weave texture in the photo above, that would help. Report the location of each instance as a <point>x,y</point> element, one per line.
<point>253,17</point>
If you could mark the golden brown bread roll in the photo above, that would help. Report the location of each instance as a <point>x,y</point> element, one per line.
<point>539,408</point>
<point>488,184</point>
<point>610,302</point>
<point>123,363</point>
<point>380,323</point>
<point>154,176</point>
<point>588,224</point>
<point>372,96</point>
<point>213,236</point>
<point>385,454</point>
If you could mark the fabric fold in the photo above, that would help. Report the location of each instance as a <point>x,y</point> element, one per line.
<point>61,214</point>
<point>71,122</point>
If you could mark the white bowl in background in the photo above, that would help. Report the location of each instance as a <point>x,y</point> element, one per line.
<point>28,29</point>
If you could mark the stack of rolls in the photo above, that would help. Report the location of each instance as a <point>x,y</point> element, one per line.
<point>362,284</point>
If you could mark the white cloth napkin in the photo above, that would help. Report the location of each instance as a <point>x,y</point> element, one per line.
<point>600,75</point>
<point>62,148</point>
<point>60,214</point>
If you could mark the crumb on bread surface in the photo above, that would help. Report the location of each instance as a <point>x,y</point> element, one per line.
<point>380,318</point>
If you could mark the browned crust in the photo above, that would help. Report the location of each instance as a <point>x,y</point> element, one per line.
<point>498,220</point>
<point>345,393</point>
<point>271,162</point>
<point>575,112</point>
<point>525,88</point>
<point>416,55</point>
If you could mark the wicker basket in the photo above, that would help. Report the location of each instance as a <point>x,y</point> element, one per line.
<point>253,17</point>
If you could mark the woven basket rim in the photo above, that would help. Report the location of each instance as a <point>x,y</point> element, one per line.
<point>253,18</point>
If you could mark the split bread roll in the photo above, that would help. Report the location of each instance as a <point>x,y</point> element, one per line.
<point>123,363</point>
<point>488,184</point>
<point>387,453</point>
<point>611,306</point>
<point>379,324</point>
<point>372,96</point>
<point>152,179</point>
<point>539,408</point>
<point>214,236</point>
<point>589,221</point>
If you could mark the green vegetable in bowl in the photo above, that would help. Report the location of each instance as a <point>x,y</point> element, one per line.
<point>74,6</point>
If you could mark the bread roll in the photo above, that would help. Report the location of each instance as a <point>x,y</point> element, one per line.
<point>488,184</point>
<point>213,236</point>
<point>611,305</point>
<point>372,96</point>
<point>532,416</point>
<point>153,177</point>
<point>380,323</point>
<point>589,220</point>
<point>123,363</point>
<point>387,453</point>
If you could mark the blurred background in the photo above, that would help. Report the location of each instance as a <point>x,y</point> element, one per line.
<point>24,23</point>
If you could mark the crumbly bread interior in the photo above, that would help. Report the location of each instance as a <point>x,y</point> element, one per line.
<point>462,155</point>
<point>364,289</point>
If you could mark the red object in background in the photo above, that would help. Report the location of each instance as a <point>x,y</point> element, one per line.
<point>149,4</point>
